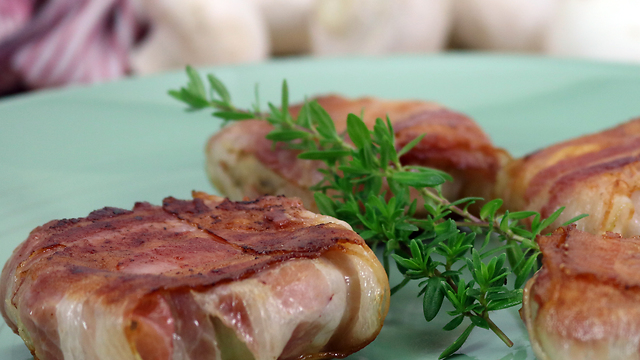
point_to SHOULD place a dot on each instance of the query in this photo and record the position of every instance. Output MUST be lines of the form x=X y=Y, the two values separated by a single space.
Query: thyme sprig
x=365 y=184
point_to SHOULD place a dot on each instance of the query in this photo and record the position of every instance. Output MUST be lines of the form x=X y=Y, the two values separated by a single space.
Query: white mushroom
x=200 y=32
x=379 y=26
x=511 y=25
x=288 y=24
x=599 y=29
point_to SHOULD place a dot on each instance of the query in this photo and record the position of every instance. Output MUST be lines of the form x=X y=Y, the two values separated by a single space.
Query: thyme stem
x=496 y=330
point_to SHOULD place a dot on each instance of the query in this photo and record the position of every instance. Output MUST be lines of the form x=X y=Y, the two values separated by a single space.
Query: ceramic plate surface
x=64 y=153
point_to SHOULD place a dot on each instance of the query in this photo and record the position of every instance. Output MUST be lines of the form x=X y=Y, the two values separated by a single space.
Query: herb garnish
x=365 y=185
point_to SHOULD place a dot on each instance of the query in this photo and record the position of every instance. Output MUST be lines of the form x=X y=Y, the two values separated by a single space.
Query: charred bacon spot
x=107 y=212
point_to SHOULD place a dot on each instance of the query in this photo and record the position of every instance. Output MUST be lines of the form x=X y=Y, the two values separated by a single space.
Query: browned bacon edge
x=257 y=228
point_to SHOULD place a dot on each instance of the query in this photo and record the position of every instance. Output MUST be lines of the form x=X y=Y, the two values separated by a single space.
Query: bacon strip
x=596 y=174
x=128 y=283
x=584 y=302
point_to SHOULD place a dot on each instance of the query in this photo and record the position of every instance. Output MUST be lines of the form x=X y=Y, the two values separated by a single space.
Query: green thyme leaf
x=323 y=122
x=256 y=102
x=525 y=271
x=467 y=200
x=433 y=298
x=405 y=149
x=195 y=85
x=358 y=131
x=458 y=343
x=303 y=116
x=548 y=221
x=233 y=115
x=327 y=155
x=287 y=135
x=454 y=323
x=405 y=263
x=505 y=295
x=418 y=180
x=489 y=209
x=479 y=322
x=515 y=255
x=575 y=219
x=504 y=304
x=416 y=253
x=189 y=98
x=407 y=227
x=325 y=204
x=285 y=99
x=218 y=87
x=519 y=215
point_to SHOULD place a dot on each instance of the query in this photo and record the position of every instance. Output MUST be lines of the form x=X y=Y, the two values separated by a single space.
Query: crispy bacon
x=198 y=279
x=242 y=162
x=596 y=174
x=584 y=302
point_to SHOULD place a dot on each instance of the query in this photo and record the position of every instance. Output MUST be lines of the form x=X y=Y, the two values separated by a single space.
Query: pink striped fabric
x=65 y=42
x=13 y=15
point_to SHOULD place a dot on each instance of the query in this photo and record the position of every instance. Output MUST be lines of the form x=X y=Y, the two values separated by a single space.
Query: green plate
x=67 y=152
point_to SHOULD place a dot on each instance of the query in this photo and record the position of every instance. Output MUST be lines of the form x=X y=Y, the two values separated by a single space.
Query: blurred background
x=51 y=43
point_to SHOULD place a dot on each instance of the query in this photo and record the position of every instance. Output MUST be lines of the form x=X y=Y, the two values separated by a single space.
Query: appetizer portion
x=241 y=162
x=585 y=301
x=595 y=174
x=206 y=278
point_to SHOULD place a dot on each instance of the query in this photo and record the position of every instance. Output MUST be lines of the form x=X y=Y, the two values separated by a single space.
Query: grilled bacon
x=206 y=278
x=596 y=174
x=585 y=301
x=241 y=162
